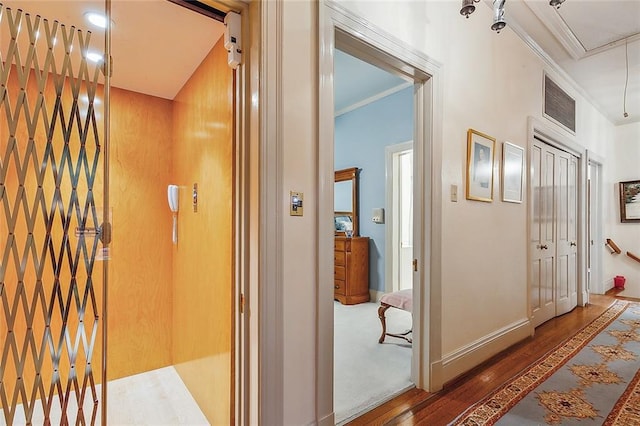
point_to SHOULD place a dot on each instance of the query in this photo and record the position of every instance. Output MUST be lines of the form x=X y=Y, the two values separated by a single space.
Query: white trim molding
x=360 y=38
x=465 y=358
x=373 y=98
x=270 y=296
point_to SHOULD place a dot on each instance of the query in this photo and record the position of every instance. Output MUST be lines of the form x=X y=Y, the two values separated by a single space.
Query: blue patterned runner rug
x=591 y=379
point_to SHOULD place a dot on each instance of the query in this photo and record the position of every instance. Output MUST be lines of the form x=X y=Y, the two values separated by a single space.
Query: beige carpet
x=367 y=373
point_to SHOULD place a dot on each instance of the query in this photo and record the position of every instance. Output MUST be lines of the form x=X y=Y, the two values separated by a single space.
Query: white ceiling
x=588 y=40
x=585 y=38
x=157 y=45
x=356 y=81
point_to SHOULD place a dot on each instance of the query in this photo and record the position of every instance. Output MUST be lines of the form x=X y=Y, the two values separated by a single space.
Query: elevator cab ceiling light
x=96 y=19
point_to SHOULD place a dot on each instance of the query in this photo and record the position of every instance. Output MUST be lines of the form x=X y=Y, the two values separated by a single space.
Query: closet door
x=554 y=230
x=542 y=234
x=567 y=233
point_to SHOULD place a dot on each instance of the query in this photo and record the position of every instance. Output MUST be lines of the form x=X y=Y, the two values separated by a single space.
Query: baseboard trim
x=375 y=295
x=328 y=420
x=464 y=359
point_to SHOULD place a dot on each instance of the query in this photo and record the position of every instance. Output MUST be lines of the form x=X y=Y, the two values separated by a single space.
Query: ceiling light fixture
x=555 y=3
x=468 y=8
x=499 y=22
x=498 y=15
x=97 y=19
x=94 y=57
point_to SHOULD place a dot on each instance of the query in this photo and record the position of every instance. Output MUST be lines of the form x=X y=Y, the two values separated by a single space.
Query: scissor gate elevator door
x=51 y=214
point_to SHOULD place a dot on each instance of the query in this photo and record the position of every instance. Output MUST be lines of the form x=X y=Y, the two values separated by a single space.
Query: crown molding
x=556 y=69
x=373 y=98
x=554 y=22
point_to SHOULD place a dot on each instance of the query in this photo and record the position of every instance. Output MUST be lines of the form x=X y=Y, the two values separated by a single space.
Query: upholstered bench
x=403 y=300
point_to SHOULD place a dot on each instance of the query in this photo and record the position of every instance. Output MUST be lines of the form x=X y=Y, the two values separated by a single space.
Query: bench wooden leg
x=381 y=310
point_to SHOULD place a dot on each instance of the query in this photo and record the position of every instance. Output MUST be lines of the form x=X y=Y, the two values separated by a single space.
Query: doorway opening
x=594 y=190
x=367 y=100
x=170 y=355
x=399 y=187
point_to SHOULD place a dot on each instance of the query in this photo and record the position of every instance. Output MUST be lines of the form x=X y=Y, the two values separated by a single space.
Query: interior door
x=542 y=243
x=406 y=220
x=52 y=203
x=594 y=278
x=554 y=232
x=567 y=233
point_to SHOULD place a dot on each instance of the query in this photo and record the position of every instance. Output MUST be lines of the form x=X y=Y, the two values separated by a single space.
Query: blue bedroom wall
x=360 y=140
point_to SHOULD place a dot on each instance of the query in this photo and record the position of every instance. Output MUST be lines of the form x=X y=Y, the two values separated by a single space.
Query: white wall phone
x=172 y=197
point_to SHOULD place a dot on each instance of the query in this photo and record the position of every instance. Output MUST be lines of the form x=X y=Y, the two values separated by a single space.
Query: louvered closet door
x=554 y=230
x=51 y=206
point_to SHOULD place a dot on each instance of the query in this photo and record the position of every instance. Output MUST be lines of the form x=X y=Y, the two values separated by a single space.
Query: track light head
x=468 y=8
x=498 y=16
x=555 y=3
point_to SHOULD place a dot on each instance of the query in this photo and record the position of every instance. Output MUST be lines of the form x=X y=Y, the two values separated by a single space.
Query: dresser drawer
x=339 y=273
x=339 y=287
x=338 y=258
x=339 y=245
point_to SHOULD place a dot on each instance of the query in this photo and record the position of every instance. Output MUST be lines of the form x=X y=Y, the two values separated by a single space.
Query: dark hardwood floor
x=417 y=407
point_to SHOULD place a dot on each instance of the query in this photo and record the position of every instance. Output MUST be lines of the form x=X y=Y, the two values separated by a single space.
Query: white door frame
x=354 y=35
x=596 y=240
x=390 y=248
x=545 y=132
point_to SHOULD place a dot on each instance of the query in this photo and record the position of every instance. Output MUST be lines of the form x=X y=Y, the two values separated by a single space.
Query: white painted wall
x=492 y=83
x=300 y=238
x=624 y=165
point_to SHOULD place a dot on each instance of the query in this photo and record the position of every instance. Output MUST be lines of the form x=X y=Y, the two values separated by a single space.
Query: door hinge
x=241 y=303
x=415 y=265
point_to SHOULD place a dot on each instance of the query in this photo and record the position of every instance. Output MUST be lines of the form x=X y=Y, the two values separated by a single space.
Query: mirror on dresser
x=345 y=203
x=351 y=251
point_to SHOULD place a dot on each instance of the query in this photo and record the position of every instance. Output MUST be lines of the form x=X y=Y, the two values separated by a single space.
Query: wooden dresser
x=351 y=270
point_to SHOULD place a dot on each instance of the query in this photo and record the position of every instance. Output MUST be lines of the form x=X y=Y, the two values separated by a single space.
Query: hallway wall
x=622 y=166
x=491 y=83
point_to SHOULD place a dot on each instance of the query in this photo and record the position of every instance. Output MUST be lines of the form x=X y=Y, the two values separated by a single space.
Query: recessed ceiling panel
x=590 y=21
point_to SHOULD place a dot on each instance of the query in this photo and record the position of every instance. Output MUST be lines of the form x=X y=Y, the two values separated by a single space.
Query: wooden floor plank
x=422 y=408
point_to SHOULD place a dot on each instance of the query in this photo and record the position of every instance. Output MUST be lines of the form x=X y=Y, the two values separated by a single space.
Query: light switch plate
x=454 y=193
x=295 y=203
x=377 y=215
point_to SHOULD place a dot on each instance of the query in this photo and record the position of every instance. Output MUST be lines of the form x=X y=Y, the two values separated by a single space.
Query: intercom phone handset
x=172 y=198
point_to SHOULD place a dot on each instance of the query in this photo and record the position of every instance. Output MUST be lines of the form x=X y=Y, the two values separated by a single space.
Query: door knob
x=542 y=246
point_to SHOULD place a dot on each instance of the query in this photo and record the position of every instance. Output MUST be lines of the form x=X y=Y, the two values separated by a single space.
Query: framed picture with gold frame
x=480 y=162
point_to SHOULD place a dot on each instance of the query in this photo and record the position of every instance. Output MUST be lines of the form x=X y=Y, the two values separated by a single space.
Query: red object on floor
x=618 y=281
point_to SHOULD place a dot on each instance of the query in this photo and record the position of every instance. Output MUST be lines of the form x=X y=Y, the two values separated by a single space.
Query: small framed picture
x=512 y=171
x=480 y=157
x=630 y=201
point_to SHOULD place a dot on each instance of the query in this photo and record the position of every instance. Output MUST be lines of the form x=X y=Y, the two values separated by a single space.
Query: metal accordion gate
x=53 y=240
